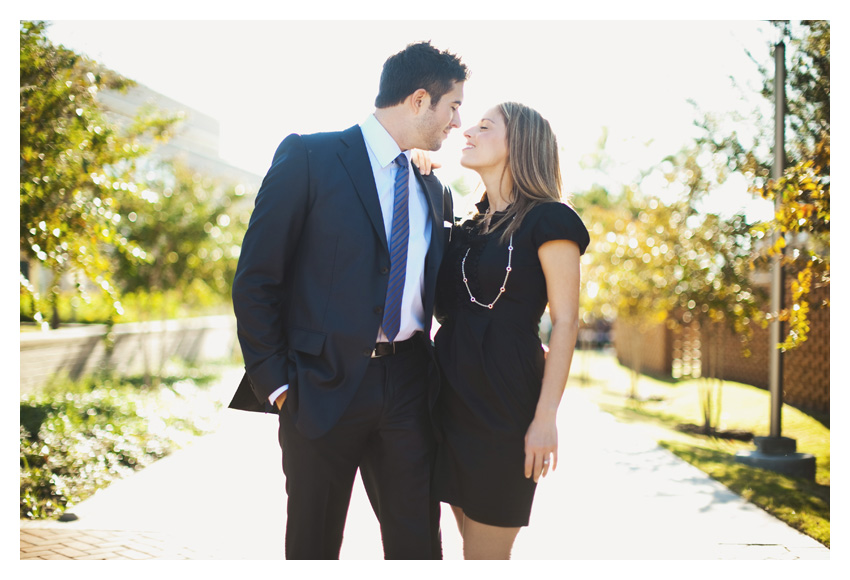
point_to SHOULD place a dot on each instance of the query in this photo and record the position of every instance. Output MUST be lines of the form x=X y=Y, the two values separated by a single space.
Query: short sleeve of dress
x=557 y=221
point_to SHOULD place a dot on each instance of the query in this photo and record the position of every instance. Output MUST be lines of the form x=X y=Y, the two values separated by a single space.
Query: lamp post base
x=779 y=454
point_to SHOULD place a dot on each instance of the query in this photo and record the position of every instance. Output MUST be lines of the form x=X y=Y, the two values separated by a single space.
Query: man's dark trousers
x=385 y=433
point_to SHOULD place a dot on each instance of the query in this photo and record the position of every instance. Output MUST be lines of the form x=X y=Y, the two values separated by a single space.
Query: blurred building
x=196 y=140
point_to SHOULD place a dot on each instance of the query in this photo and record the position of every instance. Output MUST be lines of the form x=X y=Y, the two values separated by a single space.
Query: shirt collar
x=380 y=142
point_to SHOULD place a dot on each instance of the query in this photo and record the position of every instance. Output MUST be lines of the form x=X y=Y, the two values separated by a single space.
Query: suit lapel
x=355 y=159
x=434 y=194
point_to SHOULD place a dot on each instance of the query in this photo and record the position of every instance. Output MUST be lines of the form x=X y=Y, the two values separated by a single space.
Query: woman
x=499 y=400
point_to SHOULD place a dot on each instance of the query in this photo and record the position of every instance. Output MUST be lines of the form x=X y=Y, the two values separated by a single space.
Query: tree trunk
x=719 y=381
x=53 y=299
x=636 y=361
x=584 y=344
x=705 y=386
x=711 y=383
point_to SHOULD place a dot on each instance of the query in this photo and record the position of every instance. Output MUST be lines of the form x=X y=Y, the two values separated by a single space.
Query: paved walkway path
x=616 y=495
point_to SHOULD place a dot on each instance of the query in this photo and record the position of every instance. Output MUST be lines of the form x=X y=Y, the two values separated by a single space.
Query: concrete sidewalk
x=616 y=495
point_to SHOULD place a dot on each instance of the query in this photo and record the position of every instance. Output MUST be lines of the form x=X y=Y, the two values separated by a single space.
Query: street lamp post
x=777 y=282
x=776 y=452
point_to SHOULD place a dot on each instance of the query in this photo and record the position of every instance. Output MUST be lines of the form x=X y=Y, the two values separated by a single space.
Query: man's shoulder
x=332 y=137
x=431 y=179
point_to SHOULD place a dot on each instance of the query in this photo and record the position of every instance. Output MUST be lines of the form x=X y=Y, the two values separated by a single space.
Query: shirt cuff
x=273 y=397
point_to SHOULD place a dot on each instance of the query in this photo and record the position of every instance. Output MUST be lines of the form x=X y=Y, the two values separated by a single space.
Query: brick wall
x=652 y=344
x=752 y=370
x=805 y=368
x=79 y=350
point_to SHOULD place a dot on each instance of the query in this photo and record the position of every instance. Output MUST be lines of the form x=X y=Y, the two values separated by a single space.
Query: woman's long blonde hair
x=533 y=162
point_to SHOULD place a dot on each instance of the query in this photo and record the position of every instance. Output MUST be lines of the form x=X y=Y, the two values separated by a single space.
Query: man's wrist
x=277 y=393
x=281 y=399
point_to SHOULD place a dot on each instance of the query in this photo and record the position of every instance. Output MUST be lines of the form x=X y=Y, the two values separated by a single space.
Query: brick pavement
x=53 y=544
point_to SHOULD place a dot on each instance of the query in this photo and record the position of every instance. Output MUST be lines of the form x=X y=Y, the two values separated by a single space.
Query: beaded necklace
x=504 y=283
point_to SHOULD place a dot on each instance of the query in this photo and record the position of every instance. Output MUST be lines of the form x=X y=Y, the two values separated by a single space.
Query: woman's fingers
x=422 y=160
x=541 y=451
x=538 y=463
x=545 y=460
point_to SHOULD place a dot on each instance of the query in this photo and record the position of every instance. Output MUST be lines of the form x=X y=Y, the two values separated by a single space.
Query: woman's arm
x=560 y=260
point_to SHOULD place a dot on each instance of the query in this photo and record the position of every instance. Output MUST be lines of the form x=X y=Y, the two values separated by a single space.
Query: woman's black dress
x=492 y=363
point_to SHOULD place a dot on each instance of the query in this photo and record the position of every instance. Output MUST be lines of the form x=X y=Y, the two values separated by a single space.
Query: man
x=333 y=298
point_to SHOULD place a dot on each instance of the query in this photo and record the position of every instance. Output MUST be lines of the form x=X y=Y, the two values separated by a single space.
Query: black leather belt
x=388 y=348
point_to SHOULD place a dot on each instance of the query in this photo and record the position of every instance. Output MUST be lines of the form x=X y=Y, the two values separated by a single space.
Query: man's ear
x=419 y=100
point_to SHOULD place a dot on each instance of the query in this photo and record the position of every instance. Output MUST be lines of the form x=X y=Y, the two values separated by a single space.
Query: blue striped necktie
x=398 y=251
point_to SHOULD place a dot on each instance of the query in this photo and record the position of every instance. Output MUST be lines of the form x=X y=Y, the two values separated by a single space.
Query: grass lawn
x=664 y=405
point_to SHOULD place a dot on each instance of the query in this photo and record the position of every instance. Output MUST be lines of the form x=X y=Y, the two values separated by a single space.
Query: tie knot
x=401 y=160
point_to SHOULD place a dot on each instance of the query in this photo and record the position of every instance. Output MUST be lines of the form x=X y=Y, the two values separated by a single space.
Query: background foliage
x=653 y=260
x=802 y=219
x=76 y=167
x=99 y=211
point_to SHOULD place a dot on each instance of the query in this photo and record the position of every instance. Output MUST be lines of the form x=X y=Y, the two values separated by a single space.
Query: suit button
x=378 y=309
x=367 y=352
x=385 y=270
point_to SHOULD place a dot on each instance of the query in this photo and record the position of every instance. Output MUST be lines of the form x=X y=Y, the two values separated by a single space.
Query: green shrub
x=77 y=437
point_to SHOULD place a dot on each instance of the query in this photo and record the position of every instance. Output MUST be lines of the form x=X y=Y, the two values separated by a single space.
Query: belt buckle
x=375 y=350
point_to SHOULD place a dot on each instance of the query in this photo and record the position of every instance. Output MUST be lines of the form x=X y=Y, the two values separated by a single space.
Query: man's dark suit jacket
x=312 y=277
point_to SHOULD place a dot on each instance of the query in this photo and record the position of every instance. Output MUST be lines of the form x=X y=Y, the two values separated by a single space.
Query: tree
x=190 y=226
x=76 y=169
x=715 y=292
x=653 y=262
x=803 y=216
x=629 y=266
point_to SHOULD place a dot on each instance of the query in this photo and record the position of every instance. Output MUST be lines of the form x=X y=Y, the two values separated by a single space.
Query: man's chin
x=432 y=146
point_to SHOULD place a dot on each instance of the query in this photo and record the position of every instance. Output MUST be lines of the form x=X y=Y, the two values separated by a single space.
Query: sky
x=263 y=79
